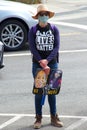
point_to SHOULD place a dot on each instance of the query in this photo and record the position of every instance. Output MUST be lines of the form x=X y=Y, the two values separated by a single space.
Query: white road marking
x=73 y=16
x=76 y=124
x=19 y=116
x=80 y=26
x=12 y=120
x=74 y=51
x=70 y=34
x=17 y=54
x=29 y=54
x=32 y=115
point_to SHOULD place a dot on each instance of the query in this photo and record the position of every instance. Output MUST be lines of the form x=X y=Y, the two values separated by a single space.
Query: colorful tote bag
x=50 y=84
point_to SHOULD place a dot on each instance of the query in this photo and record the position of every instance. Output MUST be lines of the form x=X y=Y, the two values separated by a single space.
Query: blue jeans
x=38 y=98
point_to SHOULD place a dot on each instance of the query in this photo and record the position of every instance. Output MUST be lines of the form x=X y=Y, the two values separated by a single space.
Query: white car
x=1 y=54
x=15 y=22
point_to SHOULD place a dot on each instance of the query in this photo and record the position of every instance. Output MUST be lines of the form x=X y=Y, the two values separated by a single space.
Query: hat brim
x=51 y=14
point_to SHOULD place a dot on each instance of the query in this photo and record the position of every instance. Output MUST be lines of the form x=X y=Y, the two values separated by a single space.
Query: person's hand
x=43 y=63
x=47 y=70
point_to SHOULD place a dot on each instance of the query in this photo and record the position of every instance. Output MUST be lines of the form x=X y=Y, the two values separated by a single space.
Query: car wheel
x=13 y=34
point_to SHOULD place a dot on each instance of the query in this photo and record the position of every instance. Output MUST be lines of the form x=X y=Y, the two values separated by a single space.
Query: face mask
x=43 y=19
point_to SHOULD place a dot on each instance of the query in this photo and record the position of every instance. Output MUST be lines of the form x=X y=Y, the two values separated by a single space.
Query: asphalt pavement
x=63 y=5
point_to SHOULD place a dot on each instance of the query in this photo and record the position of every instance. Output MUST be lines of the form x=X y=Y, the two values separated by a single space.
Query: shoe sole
x=37 y=127
x=60 y=125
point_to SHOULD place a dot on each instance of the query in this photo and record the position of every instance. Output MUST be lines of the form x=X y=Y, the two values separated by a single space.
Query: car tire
x=13 y=34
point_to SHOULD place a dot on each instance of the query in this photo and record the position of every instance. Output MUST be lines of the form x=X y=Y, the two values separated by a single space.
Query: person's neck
x=42 y=24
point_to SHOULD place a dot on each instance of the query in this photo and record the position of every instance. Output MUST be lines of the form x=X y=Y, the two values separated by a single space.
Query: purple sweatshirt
x=44 y=43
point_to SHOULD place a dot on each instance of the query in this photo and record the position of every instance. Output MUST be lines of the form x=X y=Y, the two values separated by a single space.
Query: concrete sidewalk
x=64 y=5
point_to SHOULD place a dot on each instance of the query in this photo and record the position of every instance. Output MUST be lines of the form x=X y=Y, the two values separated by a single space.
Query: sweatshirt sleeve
x=31 y=39
x=56 y=45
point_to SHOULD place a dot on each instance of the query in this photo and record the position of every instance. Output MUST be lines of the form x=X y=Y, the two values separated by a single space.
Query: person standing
x=44 y=42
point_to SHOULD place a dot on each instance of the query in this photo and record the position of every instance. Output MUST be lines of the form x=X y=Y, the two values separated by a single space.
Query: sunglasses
x=43 y=13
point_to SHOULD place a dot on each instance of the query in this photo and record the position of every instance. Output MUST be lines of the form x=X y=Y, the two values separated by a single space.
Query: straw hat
x=42 y=8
